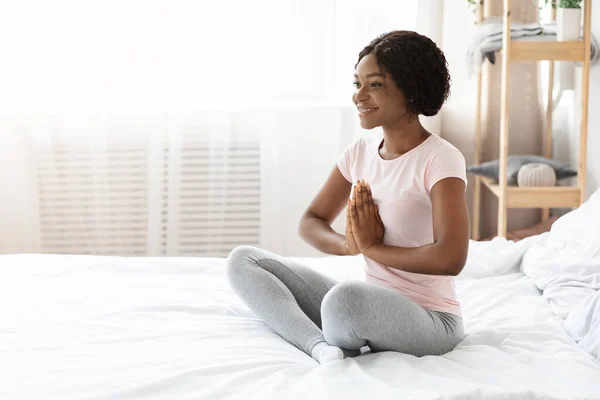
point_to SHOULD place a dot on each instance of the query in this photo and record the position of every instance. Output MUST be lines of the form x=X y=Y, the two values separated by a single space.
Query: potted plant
x=568 y=20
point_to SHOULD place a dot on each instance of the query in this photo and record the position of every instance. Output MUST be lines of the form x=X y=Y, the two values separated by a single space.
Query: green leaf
x=569 y=4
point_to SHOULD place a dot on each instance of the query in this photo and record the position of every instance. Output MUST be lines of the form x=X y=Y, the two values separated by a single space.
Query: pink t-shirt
x=401 y=188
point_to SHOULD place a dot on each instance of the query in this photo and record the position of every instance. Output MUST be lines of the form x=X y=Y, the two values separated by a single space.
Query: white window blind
x=218 y=202
x=100 y=202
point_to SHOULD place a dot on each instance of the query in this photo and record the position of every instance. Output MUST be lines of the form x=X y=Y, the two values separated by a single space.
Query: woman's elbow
x=453 y=262
x=304 y=225
x=455 y=269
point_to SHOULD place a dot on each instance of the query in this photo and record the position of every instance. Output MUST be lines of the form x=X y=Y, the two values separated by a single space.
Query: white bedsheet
x=75 y=327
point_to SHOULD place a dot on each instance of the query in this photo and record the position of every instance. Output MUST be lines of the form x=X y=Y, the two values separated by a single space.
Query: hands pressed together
x=363 y=223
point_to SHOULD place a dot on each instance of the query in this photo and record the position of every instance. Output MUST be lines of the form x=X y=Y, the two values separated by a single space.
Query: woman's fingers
x=362 y=203
x=359 y=201
x=357 y=204
x=365 y=198
x=370 y=202
x=348 y=218
x=354 y=196
x=369 y=193
x=353 y=214
x=377 y=214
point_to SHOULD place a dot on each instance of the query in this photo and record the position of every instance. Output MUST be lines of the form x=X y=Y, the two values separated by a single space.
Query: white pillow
x=566 y=264
x=498 y=256
x=580 y=227
x=583 y=324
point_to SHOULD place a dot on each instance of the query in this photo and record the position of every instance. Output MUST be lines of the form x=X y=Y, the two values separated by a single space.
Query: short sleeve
x=346 y=160
x=448 y=163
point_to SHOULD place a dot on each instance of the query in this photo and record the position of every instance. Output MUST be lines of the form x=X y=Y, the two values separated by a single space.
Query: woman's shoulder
x=439 y=150
x=444 y=160
x=439 y=144
x=354 y=154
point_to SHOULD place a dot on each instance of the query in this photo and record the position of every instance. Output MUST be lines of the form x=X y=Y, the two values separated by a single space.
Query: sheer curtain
x=174 y=127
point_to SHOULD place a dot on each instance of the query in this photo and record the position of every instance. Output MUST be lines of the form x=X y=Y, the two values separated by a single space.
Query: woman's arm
x=448 y=253
x=315 y=224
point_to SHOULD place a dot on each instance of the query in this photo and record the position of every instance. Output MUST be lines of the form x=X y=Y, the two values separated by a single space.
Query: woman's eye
x=356 y=84
x=376 y=84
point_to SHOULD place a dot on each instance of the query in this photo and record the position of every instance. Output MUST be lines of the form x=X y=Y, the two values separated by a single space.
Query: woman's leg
x=287 y=296
x=357 y=314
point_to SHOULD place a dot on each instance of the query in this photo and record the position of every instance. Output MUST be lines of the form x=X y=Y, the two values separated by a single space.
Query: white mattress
x=76 y=327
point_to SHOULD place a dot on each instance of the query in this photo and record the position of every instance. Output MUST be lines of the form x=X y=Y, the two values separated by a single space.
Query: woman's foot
x=324 y=353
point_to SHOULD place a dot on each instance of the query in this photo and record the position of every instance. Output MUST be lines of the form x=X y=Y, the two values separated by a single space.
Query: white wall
x=458 y=116
x=567 y=140
x=306 y=150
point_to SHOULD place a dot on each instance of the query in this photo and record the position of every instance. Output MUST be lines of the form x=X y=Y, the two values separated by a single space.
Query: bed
x=89 y=327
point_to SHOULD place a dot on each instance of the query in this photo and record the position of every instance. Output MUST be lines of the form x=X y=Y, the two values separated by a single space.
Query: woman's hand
x=351 y=246
x=367 y=227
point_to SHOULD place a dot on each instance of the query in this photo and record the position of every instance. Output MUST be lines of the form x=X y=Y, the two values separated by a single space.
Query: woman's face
x=379 y=100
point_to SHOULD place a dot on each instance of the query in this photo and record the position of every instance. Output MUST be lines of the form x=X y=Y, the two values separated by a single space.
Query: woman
x=404 y=194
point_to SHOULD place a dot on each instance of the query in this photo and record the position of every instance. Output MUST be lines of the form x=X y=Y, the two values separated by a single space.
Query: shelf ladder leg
x=476 y=223
x=549 y=111
x=585 y=89
x=506 y=45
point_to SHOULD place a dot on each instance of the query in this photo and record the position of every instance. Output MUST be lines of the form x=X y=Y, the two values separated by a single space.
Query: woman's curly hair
x=418 y=67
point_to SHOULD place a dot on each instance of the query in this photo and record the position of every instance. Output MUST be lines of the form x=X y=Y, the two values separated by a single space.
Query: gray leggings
x=306 y=307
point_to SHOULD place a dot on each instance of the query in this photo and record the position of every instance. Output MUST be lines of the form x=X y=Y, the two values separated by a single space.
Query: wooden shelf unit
x=533 y=197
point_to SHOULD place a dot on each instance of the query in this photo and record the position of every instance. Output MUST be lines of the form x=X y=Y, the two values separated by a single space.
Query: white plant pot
x=568 y=24
x=568 y=28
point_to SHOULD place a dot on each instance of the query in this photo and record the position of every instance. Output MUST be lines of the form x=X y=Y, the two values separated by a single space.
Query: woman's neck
x=402 y=138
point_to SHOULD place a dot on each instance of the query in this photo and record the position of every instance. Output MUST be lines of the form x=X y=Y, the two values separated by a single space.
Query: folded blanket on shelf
x=488 y=40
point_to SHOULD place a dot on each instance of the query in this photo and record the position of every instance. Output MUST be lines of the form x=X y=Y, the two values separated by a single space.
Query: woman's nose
x=361 y=94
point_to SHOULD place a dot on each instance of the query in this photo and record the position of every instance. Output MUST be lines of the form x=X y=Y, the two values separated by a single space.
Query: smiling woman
x=407 y=216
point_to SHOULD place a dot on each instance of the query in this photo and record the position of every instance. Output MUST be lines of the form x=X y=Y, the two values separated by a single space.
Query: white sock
x=324 y=353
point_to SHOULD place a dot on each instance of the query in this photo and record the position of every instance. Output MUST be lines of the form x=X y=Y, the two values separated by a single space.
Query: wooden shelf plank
x=494 y=188
x=523 y=50
x=543 y=197
x=537 y=197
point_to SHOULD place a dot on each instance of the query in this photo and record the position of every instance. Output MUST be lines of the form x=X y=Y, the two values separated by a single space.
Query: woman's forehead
x=368 y=67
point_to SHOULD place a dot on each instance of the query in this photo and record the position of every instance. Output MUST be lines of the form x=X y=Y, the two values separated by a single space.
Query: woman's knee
x=342 y=310
x=240 y=259
x=343 y=299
